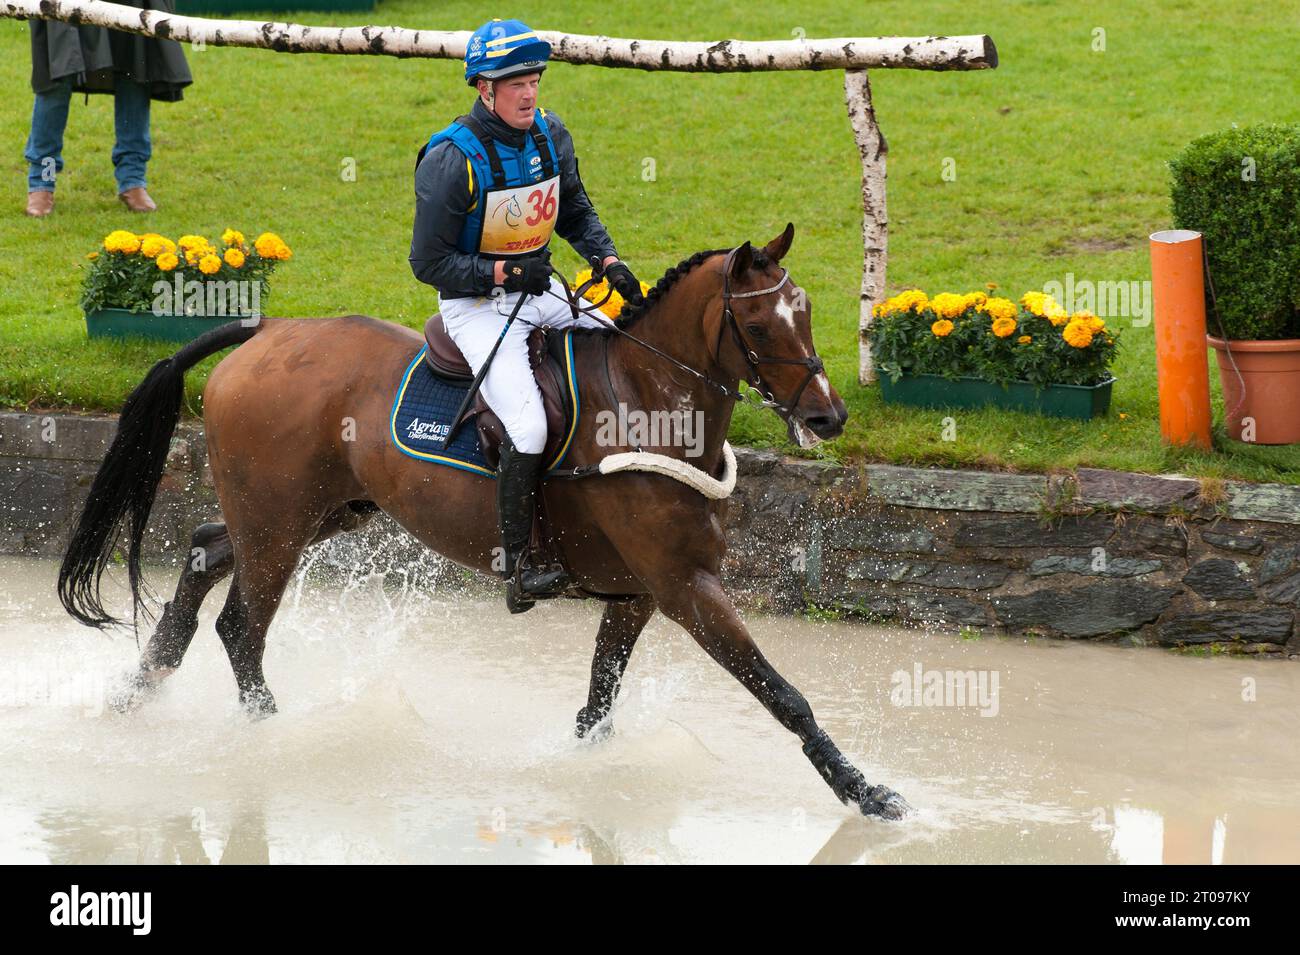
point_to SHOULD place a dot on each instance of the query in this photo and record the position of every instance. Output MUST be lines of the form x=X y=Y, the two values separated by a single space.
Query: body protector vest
x=516 y=192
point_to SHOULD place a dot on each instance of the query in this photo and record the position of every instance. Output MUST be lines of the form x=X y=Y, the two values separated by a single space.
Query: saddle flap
x=555 y=402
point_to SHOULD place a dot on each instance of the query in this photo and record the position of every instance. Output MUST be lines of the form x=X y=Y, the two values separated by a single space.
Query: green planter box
x=196 y=8
x=120 y=323
x=1059 y=401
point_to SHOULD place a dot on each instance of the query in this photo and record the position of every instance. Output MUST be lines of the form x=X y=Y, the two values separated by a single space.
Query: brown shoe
x=137 y=200
x=40 y=203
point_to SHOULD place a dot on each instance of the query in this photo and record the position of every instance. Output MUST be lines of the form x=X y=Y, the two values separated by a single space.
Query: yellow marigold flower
x=1092 y=321
x=1123 y=414
x=942 y=327
x=1077 y=334
x=996 y=308
x=906 y=301
x=119 y=240
x=975 y=299
x=271 y=246
x=948 y=305
x=93 y=255
x=152 y=245
x=188 y=242
x=1002 y=327
x=1056 y=314
x=1043 y=305
x=209 y=264
x=234 y=257
x=232 y=237
x=167 y=261
x=1025 y=339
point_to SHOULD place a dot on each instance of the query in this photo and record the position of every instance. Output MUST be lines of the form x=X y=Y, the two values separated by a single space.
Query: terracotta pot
x=1271 y=372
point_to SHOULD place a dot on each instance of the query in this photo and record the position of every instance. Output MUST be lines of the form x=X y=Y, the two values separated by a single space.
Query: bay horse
x=297 y=427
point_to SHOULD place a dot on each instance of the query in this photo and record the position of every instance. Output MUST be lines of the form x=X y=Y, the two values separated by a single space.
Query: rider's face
x=516 y=97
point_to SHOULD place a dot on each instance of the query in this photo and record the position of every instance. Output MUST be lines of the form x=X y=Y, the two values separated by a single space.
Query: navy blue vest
x=520 y=220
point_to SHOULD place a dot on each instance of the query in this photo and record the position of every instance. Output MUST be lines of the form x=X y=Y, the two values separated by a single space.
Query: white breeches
x=509 y=388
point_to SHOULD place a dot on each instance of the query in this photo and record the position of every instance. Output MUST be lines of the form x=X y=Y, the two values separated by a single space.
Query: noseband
x=752 y=358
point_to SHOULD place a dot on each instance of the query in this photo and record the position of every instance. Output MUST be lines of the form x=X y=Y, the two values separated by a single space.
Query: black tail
x=123 y=491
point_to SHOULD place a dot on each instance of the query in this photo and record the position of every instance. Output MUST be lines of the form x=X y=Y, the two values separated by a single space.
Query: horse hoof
x=593 y=729
x=134 y=690
x=258 y=703
x=884 y=802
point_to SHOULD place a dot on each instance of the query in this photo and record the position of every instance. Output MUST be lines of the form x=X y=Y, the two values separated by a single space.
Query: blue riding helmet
x=502 y=48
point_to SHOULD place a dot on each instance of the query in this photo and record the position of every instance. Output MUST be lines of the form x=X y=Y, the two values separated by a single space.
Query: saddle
x=545 y=357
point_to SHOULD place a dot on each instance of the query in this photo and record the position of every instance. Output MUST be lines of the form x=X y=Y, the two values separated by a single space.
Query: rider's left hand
x=624 y=282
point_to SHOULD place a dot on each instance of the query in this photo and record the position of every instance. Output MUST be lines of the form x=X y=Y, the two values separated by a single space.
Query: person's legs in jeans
x=44 y=151
x=133 y=147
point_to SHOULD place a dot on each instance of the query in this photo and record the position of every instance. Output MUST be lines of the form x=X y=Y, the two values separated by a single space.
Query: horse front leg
x=620 y=626
x=703 y=608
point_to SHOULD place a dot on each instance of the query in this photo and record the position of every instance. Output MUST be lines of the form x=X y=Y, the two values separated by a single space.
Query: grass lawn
x=1059 y=157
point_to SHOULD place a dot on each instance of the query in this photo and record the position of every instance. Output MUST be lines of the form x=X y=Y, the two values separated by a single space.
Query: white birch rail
x=854 y=55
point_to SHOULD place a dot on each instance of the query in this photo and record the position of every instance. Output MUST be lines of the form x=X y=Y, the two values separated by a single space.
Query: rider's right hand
x=531 y=275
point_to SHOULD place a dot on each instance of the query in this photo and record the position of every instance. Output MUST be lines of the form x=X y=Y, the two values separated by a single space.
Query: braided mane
x=631 y=313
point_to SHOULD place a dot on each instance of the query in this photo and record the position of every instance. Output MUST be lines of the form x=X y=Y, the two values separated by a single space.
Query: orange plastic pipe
x=1182 y=363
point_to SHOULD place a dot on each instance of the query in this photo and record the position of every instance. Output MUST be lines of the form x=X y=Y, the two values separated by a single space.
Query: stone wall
x=1086 y=554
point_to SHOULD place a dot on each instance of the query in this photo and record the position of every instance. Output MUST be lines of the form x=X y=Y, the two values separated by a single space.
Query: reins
x=752 y=358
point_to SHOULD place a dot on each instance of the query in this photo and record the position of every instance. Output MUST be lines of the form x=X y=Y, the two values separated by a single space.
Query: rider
x=490 y=189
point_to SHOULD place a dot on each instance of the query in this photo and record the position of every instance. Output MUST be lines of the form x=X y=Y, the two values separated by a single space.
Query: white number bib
x=519 y=219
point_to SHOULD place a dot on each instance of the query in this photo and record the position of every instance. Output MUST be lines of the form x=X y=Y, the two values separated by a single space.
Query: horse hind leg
x=620 y=626
x=266 y=558
x=210 y=560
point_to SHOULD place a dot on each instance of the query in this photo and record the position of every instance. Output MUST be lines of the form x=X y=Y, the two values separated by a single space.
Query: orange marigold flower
x=1077 y=333
x=1003 y=327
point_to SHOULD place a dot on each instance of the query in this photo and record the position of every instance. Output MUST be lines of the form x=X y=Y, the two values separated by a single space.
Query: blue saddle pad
x=425 y=405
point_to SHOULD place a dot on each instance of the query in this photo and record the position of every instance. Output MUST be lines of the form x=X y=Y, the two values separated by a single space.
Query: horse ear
x=778 y=247
x=742 y=260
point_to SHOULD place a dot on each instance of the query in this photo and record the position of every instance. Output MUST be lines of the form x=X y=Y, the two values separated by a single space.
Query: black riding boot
x=516 y=490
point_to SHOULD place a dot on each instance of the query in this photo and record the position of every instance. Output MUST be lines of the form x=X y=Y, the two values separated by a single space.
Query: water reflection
x=432 y=727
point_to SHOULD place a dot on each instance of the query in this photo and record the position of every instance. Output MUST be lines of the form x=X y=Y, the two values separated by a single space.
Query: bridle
x=751 y=356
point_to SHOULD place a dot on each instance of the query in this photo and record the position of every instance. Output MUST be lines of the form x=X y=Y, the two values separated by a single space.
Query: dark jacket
x=442 y=200
x=92 y=55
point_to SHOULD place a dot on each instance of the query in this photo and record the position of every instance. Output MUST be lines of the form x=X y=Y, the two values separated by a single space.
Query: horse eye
x=758 y=331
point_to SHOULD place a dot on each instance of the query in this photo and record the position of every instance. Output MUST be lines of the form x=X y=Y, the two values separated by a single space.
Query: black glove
x=624 y=282
x=531 y=275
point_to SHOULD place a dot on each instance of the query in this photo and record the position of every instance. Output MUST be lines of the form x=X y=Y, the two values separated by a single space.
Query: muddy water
x=426 y=726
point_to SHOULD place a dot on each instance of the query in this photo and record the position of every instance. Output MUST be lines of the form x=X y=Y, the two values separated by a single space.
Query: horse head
x=764 y=337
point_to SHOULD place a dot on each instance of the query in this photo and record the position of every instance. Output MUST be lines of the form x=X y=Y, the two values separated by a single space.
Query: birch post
x=875 y=218
x=854 y=55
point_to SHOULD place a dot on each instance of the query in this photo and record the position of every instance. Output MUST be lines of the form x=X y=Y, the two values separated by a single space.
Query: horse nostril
x=825 y=426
